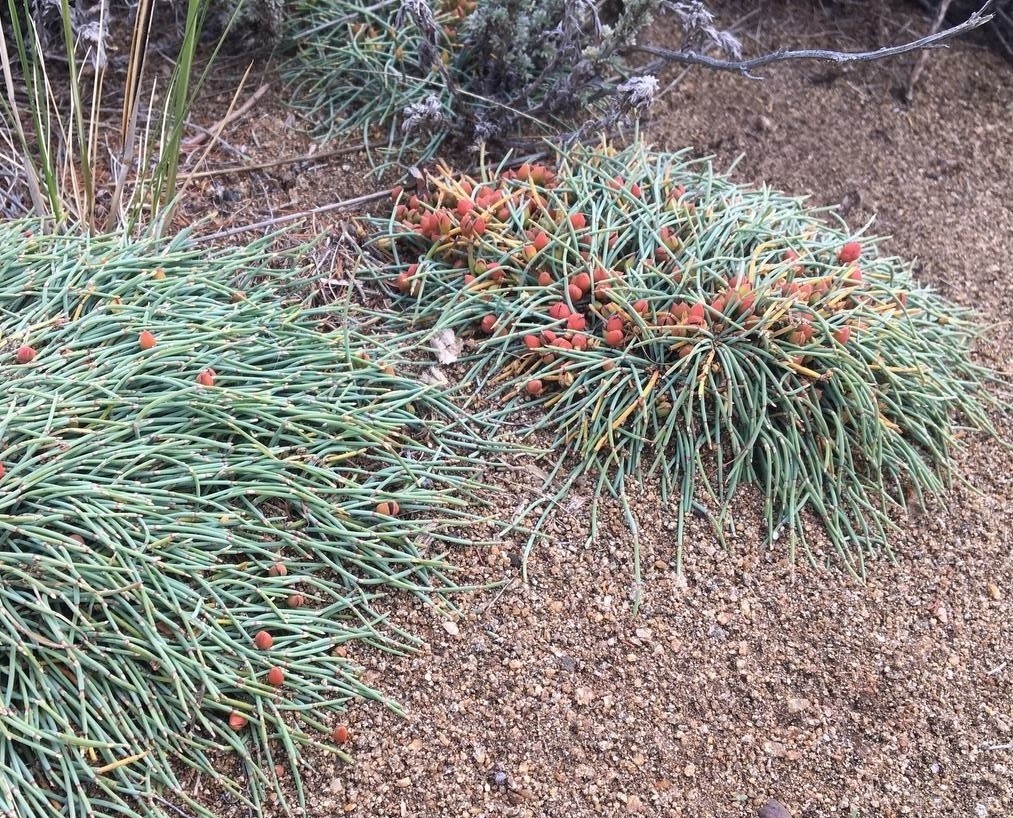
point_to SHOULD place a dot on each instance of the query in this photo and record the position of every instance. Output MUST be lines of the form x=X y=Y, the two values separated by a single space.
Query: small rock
x=689 y=770
x=764 y=123
x=451 y=628
x=634 y=804
x=404 y=783
x=940 y=613
x=796 y=705
x=773 y=809
x=993 y=591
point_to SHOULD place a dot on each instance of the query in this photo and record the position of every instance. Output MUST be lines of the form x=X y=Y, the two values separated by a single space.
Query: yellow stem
x=619 y=421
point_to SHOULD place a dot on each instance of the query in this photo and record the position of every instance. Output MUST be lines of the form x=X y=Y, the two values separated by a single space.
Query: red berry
x=533 y=387
x=576 y=321
x=544 y=278
x=849 y=252
x=295 y=600
x=206 y=377
x=583 y=282
x=25 y=354
x=263 y=640
x=843 y=334
x=559 y=310
x=488 y=323
x=339 y=735
x=575 y=292
x=640 y=306
x=540 y=241
x=389 y=508
x=403 y=283
x=237 y=721
x=578 y=221
x=614 y=337
x=146 y=340
x=275 y=676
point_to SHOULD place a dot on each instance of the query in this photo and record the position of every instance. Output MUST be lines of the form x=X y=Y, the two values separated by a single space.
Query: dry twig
x=933 y=40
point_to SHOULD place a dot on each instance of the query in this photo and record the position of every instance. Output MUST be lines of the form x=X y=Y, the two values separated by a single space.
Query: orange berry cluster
x=507 y=239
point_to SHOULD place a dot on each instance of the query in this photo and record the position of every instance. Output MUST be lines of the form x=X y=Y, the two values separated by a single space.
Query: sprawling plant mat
x=667 y=320
x=202 y=492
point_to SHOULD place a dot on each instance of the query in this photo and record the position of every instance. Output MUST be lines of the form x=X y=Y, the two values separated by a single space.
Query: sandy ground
x=746 y=677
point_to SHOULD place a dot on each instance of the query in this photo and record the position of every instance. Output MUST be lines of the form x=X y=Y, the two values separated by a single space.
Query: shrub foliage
x=666 y=320
x=409 y=74
x=185 y=462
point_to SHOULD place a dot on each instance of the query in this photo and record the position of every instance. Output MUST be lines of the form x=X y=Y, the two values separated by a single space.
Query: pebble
x=773 y=809
x=940 y=613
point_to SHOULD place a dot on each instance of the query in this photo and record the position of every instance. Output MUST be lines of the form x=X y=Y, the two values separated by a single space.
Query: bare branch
x=976 y=20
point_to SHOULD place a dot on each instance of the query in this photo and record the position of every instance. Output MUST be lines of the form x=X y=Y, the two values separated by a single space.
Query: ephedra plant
x=203 y=490
x=660 y=319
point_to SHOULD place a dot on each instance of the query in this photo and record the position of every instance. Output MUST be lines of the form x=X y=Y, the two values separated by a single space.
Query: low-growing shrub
x=409 y=74
x=666 y=320
x=202 y=493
